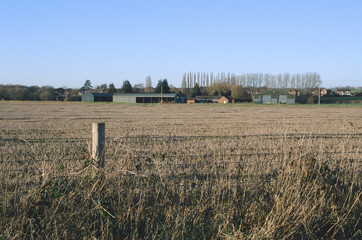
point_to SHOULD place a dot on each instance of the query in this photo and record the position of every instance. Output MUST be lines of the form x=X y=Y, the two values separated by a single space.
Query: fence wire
x=183 y=159
x=185 y=138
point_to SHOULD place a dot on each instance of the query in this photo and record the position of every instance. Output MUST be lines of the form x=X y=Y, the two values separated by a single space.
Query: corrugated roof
x=145 y=94
x=207 y=97
x=100 y=94
x=274 y=95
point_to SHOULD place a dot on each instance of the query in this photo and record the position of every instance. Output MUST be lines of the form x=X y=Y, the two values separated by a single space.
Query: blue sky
x=63 y=43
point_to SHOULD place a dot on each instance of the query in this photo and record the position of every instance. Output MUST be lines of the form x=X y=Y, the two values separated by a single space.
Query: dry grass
x=181 y=172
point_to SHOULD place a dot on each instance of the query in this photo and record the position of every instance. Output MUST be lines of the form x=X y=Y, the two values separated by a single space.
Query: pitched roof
x=100 y=94
x=207 y=97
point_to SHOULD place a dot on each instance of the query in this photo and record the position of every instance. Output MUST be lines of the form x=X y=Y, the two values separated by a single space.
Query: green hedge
x=341 y=99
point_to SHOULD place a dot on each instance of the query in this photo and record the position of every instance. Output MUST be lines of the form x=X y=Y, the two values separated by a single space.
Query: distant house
x=323 y=92
x=97 y=97
x=343 y=91
x=225 y=100
x=294 y=92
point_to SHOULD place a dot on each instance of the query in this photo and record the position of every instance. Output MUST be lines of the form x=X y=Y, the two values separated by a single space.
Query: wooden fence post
x=98 y=140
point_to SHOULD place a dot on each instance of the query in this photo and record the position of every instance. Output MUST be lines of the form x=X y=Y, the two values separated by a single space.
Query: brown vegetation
x=180 y=172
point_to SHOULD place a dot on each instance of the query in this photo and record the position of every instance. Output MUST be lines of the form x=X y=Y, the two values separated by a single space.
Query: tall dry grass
x=181 y=172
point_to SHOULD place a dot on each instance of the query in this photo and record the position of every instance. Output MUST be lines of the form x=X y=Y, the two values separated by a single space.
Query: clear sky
x=64 y=42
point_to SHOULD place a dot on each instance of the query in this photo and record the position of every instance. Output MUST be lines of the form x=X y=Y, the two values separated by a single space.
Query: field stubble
x=181 y=172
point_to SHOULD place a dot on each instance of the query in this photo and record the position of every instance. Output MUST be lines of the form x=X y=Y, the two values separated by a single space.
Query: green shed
x=274 y=97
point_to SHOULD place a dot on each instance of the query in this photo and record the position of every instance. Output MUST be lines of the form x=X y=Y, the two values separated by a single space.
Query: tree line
x=252 y=80
x=242 y=86
x=49 y=93
x=162 y=86
x=36 y=93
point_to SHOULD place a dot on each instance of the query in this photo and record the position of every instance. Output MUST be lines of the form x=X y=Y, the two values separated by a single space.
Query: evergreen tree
x=112 y=89
x=196 y=91
x=166 y=88
x=126 y=87
x=87 y=86
x=164 y=85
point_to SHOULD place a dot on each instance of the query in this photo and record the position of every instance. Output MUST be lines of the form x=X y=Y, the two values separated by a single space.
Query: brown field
x=181 y=172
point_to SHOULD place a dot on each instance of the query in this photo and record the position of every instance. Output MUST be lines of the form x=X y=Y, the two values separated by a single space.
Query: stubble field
x=181 y=171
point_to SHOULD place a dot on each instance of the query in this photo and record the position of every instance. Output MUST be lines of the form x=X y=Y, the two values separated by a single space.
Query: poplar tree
x=148 y=84
x=183 y=84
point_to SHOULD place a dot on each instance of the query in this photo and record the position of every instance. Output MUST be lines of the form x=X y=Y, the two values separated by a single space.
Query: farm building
x=149 y=98
x=322 y=92
x=274 y=98
x=213 y=99
x=97 y=97
x=206 y=99
x=343 y=91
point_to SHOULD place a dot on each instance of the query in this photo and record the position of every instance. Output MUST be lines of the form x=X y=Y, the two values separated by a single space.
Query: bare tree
x=267 y=80
x=273 y=80
x=286 y=80
x=280 y=80
x=312 y=80
x=139 y=88
x=189 y=83
x=292 y=81
x=243 y=80
x=194 y=80
x=233 y=79
x=204 y=79
x=223 y=77
x=148 y=84
x=183 y=83
x=260 y=79
x=102 y=88
x=253 y=80
x=304 y=80
x=299 y=80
